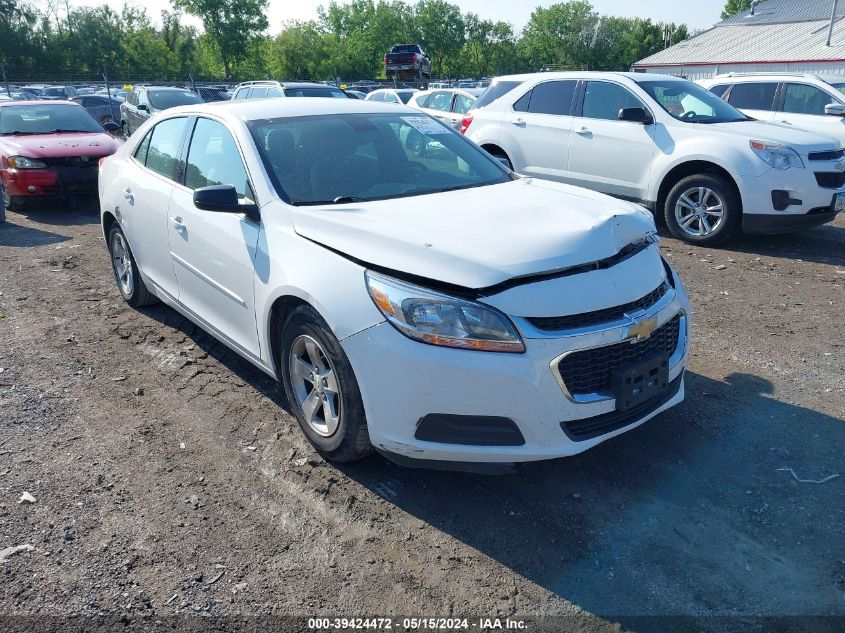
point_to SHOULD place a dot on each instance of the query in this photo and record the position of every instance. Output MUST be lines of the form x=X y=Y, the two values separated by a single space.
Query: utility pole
x=108 y=87
x=832 y=20
x=5 y=81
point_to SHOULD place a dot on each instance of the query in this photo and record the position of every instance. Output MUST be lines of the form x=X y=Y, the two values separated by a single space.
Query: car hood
x=802 y=141
x=480 y=237
x=60 y=145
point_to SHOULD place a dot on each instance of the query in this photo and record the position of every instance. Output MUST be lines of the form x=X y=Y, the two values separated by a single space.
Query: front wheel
x=703 y=209
x=321 y=388
x=124 y=129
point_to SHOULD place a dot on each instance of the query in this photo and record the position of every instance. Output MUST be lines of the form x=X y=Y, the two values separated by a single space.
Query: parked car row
x=666 y=143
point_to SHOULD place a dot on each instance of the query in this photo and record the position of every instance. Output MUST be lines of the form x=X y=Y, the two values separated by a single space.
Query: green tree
x=732 y=7
x=440 y=29
x=232 y=26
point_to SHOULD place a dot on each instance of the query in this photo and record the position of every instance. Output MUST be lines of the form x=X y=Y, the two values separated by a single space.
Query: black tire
x=135 y=294
x=722 y=191
x=350 y=440
x=124 y=129
x=4 y=202
x=502 y=158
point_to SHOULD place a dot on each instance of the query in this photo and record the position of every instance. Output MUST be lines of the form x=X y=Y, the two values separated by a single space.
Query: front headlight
x=22 y=162
x=778 y=156
x=438 y=319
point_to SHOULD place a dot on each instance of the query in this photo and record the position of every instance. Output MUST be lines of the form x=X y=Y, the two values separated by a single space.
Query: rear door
x=607 y=154
x=536 y=130
x=756 y=99
x=147 y=185
x=213 y=253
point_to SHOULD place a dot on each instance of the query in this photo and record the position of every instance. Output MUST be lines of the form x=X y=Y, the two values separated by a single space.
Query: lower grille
x=580 y=430
x=597 y=317
x=91 y=162
x=830 y=179
x=830 y=155
x=588 y=371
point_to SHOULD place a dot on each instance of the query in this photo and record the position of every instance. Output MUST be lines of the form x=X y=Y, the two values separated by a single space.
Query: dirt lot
x=170 y=479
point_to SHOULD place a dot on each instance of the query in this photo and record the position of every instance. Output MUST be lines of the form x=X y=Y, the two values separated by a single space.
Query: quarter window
x=213 y=159
x=164 y=146
x=603 y=100
x=720 y=90
x=805 y=99
x=143 y=148
x=553 y=97
x=753 y=96
x=274 y=92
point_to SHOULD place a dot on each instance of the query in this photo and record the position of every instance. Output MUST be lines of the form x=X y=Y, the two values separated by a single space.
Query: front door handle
x=178 y=225
x=584 y=132
x=127 y=193
x=518 y=122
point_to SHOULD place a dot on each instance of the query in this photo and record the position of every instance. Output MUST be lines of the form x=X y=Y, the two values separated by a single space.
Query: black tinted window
x=213 y=158
x=604 y=100
x=552 y=97
x=163 y=154
x=753 y=96
x=805 y=99
x=521 y=104
x=719 y=91
x=494 y=91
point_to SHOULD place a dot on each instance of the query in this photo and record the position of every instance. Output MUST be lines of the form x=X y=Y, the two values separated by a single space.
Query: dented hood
x=480 y=237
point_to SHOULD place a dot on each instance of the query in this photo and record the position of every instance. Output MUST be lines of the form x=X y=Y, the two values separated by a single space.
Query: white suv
x=667 y=144
x=808 y=102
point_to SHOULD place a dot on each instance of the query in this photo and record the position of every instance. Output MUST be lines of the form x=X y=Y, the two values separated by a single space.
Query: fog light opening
x=31 y=188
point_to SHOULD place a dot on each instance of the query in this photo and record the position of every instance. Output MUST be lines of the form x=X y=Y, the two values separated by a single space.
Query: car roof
x=254 y=109
x=587 y=74
x=31 y=102
x=176 y=88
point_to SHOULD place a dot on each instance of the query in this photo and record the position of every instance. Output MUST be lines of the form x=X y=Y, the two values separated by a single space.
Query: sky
x=697 y=15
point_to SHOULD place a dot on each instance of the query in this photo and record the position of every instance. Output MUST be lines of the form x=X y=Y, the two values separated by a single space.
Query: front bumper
x=404 y=381
x=809 y=203
x=51 y=181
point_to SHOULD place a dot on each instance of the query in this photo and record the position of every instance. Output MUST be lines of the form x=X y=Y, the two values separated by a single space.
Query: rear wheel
x=321 y=388
x=703 y=209
x=126 y=274
x=124 y=129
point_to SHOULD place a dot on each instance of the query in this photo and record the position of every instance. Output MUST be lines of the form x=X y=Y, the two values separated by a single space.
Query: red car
x=49 y=148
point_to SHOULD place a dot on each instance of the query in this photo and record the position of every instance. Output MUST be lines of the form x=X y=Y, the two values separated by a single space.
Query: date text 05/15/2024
x=416 y=624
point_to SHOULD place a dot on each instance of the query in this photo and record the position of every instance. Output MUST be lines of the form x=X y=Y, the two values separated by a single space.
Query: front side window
x=805 y=99
x=132 y=98
x=440 y=101
x=165 y=143
x=753 y=96
x=241 y=93
x=339 y=158
x=213 y=159
x=604 y=100
x=554 y=97
x=690 y=103
x=720 y=90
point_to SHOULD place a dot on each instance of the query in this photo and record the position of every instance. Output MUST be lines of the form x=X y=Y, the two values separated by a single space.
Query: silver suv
x=268 y=89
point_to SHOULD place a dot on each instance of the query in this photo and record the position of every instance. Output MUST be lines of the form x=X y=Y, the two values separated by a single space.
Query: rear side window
x=604 y=100
x=257 y=93
x=422 y=100
x=440 y=101
x=753 y=96
x=274 y=92
x=805 y=99
x=163 y=153
x=143 y=148
x=495 y=91
x=553 y=97
x=213 y=159
x=719 y=91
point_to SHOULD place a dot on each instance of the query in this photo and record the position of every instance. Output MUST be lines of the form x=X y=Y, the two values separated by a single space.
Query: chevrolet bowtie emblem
x=641 y=330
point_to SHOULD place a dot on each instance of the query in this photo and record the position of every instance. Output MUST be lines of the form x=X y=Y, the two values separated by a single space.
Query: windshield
x=164 y=99
x=340 y=158
x=46 y=119
x=336 y=93
x=691 y=103
x=408 y=48
x=54 y=92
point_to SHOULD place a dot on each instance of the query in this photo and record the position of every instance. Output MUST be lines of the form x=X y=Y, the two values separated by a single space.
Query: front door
x=213 y=252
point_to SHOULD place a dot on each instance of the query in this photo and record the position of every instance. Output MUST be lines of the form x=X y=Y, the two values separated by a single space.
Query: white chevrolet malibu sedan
x=410 y=293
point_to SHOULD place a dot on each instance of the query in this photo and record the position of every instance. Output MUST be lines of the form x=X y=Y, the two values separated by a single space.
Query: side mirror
x=111 y=127
x=143 y=106
x=224 y=199
x=635 y=115
x=834 y=109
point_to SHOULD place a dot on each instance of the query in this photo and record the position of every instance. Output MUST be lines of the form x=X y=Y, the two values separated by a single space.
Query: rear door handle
x=518 y=122
x=584 y=132
x=178 y=225
x=127 y=193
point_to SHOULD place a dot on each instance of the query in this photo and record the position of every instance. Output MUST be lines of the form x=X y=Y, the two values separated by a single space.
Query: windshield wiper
x=345 y=199
x=19 y=133
x=61 y=131
x=338 y=200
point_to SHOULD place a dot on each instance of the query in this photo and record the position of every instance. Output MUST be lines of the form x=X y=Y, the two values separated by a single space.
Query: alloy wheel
x=315 y=385
x=699 y=211
x=122 y=264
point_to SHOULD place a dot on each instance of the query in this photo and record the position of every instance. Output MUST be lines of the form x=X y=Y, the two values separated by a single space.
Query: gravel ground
x=169 y=478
